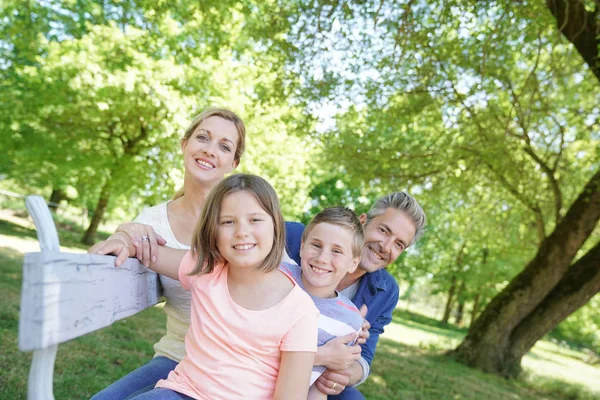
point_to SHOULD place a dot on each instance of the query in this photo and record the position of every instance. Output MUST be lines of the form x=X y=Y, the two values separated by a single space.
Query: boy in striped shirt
x=331 y=247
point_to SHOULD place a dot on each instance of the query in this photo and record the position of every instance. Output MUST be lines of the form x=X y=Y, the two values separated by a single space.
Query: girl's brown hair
x=204 y=241
x=225 y=114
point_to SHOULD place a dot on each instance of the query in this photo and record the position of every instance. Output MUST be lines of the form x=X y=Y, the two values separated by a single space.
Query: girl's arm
x=294 y=375
x=121 y=245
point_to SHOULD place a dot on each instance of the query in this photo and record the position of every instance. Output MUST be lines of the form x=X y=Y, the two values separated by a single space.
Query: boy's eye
x=316 y=245
x=338 y=251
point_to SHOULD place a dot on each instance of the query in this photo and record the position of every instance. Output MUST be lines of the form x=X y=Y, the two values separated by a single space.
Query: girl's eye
x=226 y=148
x=226 y=222
x=256 y=220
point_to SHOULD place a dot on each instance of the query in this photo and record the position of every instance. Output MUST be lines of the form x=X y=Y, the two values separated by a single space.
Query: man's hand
x=336 y=354
x=333 y=382
x=364 y=333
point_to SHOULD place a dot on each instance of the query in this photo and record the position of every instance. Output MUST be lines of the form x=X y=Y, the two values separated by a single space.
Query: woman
x=212 y=147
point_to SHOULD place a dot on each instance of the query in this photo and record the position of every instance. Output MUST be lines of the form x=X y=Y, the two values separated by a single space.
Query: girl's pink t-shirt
x=233 y=352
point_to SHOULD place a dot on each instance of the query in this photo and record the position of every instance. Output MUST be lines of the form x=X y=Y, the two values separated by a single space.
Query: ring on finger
x=145 y=239
x=333 y=386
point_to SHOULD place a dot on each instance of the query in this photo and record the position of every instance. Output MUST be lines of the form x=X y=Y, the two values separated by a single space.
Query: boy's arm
x=294 y=375
x=121 y=245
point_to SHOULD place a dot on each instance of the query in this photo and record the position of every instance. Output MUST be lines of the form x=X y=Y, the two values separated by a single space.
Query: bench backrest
x=65 y=296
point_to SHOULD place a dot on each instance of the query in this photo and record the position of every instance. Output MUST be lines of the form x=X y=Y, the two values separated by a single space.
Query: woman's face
x=209 y=152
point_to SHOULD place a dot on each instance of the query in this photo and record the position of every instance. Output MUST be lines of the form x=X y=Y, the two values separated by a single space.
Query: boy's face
x=326 y=258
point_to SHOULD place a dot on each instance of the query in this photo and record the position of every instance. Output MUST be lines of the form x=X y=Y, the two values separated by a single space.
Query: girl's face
x=245 y=231
x=209 y=152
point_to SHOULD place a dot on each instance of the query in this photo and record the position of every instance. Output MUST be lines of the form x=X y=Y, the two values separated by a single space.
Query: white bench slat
x=64 y=296
x=69 y=295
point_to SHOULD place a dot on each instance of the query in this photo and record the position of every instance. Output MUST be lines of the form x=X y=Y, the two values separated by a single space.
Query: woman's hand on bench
x=145 y=240
x=118 y=244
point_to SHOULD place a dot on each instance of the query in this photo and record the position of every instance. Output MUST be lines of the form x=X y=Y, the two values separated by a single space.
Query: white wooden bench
x=67 y=295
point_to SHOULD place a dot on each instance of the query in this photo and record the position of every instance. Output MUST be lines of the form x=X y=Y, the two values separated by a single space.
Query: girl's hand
x=145 y=241
x=337 y=354
x=117 y=245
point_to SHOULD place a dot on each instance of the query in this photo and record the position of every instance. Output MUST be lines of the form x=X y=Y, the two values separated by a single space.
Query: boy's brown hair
x=343 y=217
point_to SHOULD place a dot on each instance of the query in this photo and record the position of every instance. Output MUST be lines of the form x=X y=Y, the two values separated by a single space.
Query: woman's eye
x=202 y=137
x=226 y=148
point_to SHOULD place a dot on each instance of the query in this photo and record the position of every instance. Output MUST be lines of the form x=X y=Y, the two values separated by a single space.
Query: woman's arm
x=294 y=375
x=121 y=245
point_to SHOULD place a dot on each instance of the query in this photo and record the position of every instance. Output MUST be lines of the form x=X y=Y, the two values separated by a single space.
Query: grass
x=410 y=362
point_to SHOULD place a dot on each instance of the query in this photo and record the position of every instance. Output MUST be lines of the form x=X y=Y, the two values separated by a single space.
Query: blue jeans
x=162 y=394
x=350 y=393
x=138 y=381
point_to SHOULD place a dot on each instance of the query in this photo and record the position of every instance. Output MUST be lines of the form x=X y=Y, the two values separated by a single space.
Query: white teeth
x=375 y=254
x=204 y=164
x=319 y=270
x=243 y=247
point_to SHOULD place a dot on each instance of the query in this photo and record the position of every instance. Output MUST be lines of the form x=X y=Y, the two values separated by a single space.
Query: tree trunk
x=580 y=27
x=449 y=301
x=580 y=284
x=476 y=304
x=487 y=344
x=55 y=198
x=90 y=234
x=461 y=304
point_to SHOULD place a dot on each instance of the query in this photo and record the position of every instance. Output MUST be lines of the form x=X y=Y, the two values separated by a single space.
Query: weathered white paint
x=68 y=295
x=41 y=373
x=65 y=296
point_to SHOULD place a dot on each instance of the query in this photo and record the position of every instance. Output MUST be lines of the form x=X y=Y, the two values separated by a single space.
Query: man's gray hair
x=402 y=202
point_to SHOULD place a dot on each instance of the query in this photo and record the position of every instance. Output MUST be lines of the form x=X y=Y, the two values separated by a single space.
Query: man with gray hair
x=393 y=223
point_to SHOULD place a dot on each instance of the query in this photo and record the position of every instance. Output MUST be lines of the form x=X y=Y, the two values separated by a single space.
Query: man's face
x=386 y=237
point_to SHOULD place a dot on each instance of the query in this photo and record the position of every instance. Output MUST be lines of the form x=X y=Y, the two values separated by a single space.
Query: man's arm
x=381 y=307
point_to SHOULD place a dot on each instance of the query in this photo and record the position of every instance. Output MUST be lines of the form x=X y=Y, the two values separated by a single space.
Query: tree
x=489 y=92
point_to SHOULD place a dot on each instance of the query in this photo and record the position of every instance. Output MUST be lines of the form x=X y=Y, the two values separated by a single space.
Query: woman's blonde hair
x=225 y=114
x=204 y=241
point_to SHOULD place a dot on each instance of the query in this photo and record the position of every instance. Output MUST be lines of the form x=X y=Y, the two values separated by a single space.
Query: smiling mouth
x=204 y=164
x=319 y=271
x=376 y=255
x=244 y=246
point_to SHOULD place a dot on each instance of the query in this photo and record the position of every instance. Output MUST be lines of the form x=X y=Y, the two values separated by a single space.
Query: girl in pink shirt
x=253 y=331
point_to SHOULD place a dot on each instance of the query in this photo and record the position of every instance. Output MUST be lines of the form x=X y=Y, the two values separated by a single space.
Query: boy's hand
x=363 y=334
x=336 y=354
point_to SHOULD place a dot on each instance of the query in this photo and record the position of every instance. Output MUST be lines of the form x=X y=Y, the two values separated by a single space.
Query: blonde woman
x=212 y=146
